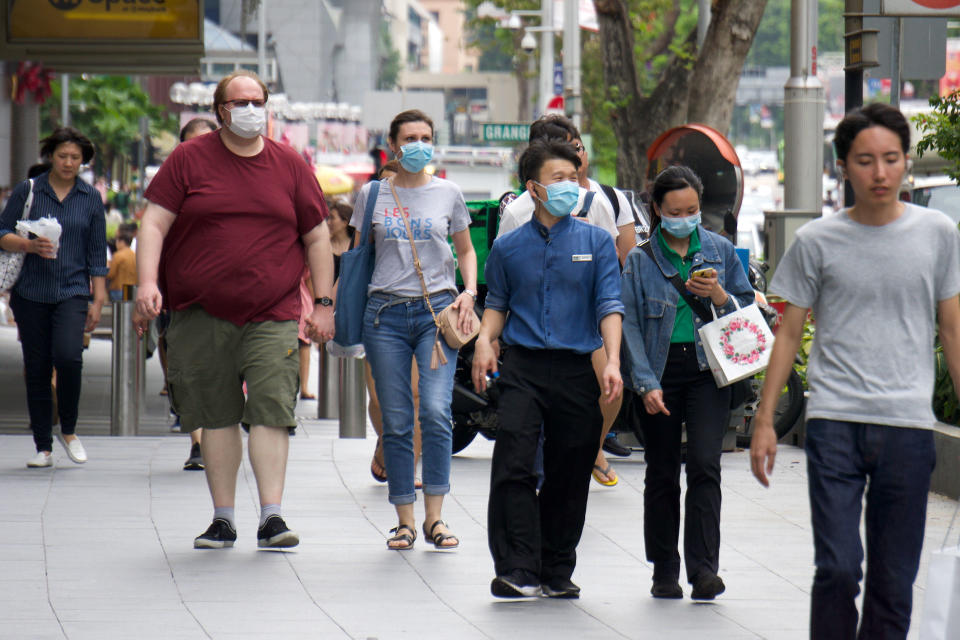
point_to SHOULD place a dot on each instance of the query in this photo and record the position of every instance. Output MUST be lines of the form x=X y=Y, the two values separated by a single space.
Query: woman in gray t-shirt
x=398 y=323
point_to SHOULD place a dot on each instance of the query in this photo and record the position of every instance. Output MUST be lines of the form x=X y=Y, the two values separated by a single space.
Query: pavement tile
x=104 y=550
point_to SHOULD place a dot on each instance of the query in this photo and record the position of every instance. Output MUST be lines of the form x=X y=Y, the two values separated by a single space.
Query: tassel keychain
x=437 y=356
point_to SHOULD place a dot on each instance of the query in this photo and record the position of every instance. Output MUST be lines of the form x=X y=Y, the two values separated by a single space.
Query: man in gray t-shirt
x=878 y=277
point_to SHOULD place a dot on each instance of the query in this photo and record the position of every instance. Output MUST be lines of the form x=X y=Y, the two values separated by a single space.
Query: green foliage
x=945 y=404
x=942 y=129
x=390 y=63
x=771 y=46
x=107 y=109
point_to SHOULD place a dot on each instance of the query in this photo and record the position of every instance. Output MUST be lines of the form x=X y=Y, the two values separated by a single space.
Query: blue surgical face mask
x=562 y=197
x=680 y=227
x=415 y=156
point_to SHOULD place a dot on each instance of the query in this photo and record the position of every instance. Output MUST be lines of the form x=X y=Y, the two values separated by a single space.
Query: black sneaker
x=219 y=534
x=707 y=586
x=612 y=446
x=561 y=588
x=516 y=584
x=275 y=534
x=195 y=461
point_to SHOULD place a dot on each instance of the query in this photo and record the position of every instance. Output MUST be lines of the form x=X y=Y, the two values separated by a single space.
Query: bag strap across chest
x=693 y=303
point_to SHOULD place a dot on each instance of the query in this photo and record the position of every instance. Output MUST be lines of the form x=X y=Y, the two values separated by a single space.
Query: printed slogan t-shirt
x=436 y=210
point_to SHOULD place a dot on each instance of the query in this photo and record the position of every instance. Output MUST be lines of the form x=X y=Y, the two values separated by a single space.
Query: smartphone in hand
x=704 y=273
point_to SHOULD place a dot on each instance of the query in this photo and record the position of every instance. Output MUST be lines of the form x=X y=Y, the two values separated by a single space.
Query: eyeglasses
x=230 y=104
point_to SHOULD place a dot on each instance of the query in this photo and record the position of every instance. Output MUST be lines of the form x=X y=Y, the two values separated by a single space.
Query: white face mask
x=248 y=121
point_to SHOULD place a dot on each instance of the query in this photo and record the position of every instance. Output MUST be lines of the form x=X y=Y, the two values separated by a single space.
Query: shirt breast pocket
x=653 y=309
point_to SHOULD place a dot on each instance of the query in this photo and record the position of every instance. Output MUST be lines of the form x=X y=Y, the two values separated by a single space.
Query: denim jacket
x=651 y=306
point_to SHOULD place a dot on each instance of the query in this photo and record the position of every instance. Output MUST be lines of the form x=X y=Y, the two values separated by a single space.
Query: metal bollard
x=127 y=368
x=353 y=398
x=328 y=389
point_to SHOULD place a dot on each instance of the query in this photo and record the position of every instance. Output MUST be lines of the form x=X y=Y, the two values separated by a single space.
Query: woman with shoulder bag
x=400 y=320
x=51 y=300
x=668 y=369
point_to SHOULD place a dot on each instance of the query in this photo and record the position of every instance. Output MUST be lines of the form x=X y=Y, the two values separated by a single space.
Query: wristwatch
x=324 y=301
x=471 y=293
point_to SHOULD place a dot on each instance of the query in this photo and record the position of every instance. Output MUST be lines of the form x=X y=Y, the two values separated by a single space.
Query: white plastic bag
x=941 y=601
x=48 y=228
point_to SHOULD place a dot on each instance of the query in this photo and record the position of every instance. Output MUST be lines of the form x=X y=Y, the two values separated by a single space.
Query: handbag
x=738 y=345
x=743 y=388
x=447 y=319
x=941 y=600
x=356 y=271
x=11 y=262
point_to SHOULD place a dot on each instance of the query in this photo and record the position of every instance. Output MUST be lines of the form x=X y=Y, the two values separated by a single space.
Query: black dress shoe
x=707 y=586
x=667 y=588
x=612 y=446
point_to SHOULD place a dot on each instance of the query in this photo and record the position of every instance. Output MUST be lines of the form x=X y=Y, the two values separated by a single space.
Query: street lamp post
x=545 y=13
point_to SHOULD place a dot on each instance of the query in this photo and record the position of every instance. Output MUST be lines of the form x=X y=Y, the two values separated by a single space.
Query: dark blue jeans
x=51 y=335
x=843 y=459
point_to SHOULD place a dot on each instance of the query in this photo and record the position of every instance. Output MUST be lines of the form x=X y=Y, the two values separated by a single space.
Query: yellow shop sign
x=32 y=20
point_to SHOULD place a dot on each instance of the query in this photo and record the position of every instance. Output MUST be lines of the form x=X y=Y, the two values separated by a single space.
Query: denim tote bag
x=356 y=270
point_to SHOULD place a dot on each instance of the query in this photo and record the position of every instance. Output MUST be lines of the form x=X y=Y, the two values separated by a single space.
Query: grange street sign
x=505 y=132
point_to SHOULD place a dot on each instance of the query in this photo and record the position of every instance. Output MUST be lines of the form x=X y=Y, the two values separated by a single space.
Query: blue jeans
x=394 y=330
x=51 y=335
x=843 y=458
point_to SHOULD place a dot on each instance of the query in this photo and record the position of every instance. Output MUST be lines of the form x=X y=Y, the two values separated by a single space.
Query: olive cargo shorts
x=209 y=359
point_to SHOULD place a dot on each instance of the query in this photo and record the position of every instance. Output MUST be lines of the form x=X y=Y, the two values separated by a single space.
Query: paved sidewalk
x=104 y=551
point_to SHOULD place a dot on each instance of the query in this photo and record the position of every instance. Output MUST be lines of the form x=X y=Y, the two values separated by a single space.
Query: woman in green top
x=668 y=369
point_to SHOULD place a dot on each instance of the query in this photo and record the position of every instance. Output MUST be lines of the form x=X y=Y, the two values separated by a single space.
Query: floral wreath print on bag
x=743 y=341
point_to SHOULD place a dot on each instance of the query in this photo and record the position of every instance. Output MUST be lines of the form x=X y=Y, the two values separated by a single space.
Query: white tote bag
x=11 y=262
x=738 y=345
x=941 y=600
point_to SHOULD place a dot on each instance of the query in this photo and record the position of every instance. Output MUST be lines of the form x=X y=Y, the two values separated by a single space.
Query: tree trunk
x=713 y=89
x=623 y=89
x=705 y=93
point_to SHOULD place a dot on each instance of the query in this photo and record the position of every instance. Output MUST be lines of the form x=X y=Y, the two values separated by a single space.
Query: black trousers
x=51 y=335
x=527 y=530
x=692 y=397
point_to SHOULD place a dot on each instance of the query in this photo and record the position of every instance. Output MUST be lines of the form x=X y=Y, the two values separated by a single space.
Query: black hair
x=554 y=126
x=62 y=135
x=875 y=114
x=541 y=150
x=195 y=124
x=38 y=169
x=125 y=235
x=128 y=227
x=673 y=178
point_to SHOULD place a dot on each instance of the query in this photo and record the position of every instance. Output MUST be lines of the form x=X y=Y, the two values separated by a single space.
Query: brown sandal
x=408 y=538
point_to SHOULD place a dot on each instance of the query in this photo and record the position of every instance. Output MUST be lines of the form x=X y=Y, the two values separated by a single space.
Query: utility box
x=780 y=227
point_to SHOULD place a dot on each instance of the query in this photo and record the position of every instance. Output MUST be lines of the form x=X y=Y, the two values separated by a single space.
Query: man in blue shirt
x=558 y=278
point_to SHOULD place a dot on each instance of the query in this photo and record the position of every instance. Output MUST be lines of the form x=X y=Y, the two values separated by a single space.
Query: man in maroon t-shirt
x=230 y=217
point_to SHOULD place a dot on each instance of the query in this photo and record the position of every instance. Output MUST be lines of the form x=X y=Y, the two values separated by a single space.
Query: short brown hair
x=220 y=93
x=404 y=117
x=392 y=165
